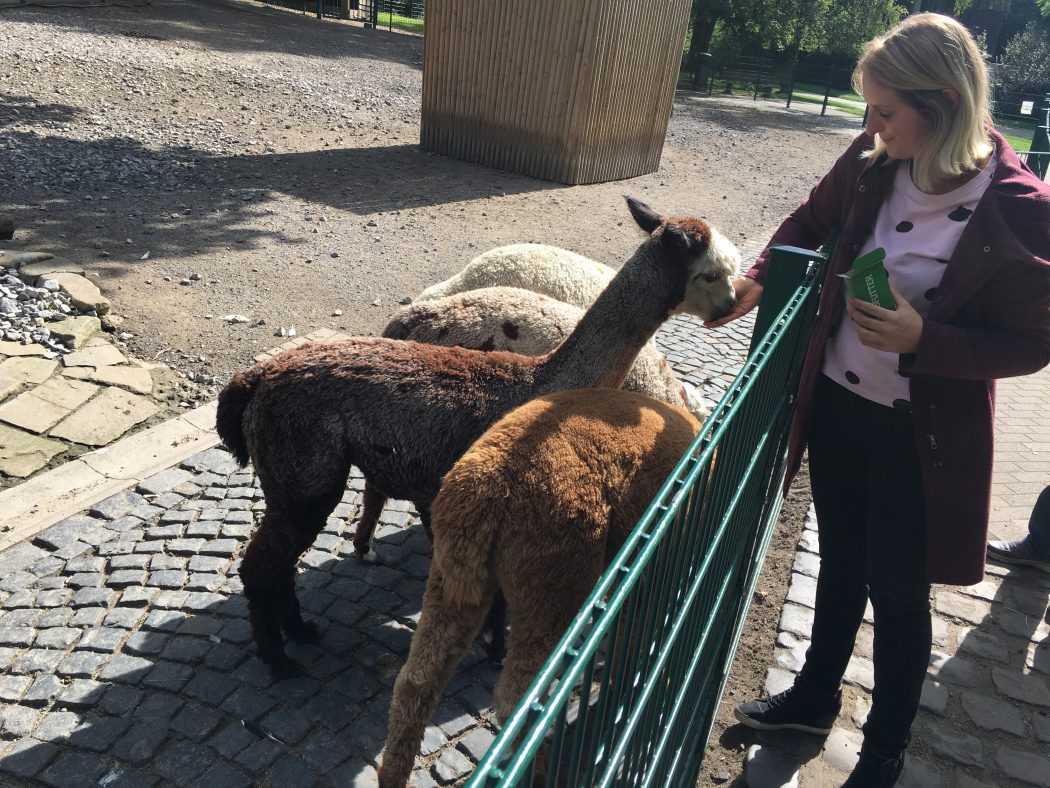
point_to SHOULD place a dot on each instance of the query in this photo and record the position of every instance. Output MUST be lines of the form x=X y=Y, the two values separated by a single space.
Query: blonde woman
x=896 y=406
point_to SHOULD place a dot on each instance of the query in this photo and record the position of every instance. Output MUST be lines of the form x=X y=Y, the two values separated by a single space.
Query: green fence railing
x=630 y=694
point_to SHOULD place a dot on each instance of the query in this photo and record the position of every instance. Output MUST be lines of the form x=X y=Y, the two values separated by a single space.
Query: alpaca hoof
x=304 y=632
x=367 y=557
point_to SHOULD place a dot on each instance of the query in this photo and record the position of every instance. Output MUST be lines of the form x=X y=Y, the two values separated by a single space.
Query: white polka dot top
x=919 y=232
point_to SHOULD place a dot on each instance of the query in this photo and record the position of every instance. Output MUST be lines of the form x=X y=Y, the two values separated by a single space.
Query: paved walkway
x=125 y=654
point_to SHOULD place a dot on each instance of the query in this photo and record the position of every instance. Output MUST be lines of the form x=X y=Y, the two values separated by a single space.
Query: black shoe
x=1020 y=552
x=875 y=771
x=798 y=709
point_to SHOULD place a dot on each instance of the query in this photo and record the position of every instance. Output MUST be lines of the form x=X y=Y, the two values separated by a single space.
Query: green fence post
x=1039 y=150
x=787 y=266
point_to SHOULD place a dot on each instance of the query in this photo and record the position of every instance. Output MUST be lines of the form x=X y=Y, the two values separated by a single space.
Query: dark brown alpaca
x=404 y=412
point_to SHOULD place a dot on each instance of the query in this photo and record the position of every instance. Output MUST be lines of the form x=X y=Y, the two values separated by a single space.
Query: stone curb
x=61 y=492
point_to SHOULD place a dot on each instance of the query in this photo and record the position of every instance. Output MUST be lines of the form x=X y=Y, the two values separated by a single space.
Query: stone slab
x=8 y=387
x=18 y=349
x=97 y=356
x=30 y=272
x=83 y=293
x=32 y=413
x=1027 y=688
x=27 y=370
x=75 y=331
x=134 y=379
x=1026 y=767
x=145 y=453
x=65 y=393
x=767 y=767
x=12 y=259
x=22 y=454
x=105 y=418
x=842 y=749
x=992 y=713
x=959 y=747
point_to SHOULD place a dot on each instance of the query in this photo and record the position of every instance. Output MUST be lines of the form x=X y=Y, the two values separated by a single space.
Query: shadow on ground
x=127 y=652
x=235 y=26
x=190 y=202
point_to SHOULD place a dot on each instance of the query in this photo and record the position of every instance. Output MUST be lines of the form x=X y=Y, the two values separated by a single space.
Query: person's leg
x=839 y=469
x=900 y=593
x=838 y=475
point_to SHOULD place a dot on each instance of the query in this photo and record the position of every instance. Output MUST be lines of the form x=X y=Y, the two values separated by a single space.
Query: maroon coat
x=990 y=319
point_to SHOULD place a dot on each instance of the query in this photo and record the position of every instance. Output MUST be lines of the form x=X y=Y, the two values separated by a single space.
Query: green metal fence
x=631 y=692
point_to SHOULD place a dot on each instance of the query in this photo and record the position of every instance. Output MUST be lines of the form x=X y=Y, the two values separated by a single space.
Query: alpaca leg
x=268 y=574
x=496 y=629
x=424 y=518
x=525 y=657
x=371 y=508
x=443 y=635
x=314 y=515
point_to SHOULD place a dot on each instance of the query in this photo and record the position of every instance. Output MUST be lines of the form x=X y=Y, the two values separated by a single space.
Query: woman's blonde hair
x=919 y=58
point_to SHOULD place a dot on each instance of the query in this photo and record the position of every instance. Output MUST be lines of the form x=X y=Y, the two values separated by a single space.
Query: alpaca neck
x=602 y=348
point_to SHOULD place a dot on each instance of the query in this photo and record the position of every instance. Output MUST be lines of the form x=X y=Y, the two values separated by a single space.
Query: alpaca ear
x=647 y=218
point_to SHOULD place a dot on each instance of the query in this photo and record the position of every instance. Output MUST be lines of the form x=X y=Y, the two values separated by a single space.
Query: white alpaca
x=558 y=273
x=521 y=321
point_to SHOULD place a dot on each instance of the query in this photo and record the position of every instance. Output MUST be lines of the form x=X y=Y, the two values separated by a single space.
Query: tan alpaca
x=536 y=508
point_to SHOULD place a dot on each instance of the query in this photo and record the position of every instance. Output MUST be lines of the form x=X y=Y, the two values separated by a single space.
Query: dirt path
x=276 y=158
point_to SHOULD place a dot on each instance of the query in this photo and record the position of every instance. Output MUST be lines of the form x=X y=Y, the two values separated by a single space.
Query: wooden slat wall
x=576 y=91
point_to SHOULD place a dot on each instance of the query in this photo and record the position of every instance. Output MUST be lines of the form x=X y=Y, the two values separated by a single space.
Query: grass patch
x=1021 y=144
x=387 y=19
x=850 y=108
x=835 y=92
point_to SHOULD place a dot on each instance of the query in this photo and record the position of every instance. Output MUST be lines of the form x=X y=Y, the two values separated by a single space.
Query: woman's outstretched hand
x=894 y=331
x=748 y=294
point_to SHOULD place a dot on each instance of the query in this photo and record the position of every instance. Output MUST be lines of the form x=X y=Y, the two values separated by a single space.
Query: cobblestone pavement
x=126 y=655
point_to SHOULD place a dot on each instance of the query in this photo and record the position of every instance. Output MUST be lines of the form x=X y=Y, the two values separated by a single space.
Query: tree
x=1025 y=63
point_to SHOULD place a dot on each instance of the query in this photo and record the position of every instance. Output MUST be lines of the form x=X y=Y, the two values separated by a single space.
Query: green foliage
x=1025 y=63
x=837 y=27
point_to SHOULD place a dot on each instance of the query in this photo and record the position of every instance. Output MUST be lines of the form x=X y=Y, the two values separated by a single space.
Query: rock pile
x=41 y=297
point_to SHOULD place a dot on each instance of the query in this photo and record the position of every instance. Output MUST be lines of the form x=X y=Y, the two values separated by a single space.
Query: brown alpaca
x=404 y=412
x=536 y=509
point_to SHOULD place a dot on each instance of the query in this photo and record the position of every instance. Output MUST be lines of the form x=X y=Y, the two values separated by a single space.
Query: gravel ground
x=276 y=158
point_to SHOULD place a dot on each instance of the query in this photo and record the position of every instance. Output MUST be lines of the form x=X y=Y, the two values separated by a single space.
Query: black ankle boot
x=875 y=770
x=800 y=708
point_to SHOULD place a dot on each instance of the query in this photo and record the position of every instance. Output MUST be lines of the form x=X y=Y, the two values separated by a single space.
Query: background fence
x=389 y=14
x=631 y=692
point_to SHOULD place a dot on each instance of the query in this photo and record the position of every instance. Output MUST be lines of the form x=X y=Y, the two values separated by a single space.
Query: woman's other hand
x=894 y=331
x=748 y=294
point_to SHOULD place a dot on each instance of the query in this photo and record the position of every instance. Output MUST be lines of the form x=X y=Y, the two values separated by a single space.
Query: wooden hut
x=576 y=91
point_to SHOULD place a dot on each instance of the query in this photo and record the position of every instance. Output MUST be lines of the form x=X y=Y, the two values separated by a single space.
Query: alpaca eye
x=711 y=278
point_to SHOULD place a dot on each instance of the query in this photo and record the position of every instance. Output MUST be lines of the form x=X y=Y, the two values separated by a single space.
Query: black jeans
x=867 y=491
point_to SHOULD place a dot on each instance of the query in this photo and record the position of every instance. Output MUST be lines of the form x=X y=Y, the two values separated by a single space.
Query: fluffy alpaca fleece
x=521 y=321
x=404 y=412
x=563 y=275
x=536 y=509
